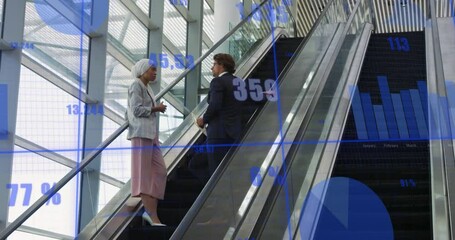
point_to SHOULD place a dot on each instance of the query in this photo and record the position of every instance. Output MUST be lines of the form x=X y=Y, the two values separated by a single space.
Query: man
x=223 y=113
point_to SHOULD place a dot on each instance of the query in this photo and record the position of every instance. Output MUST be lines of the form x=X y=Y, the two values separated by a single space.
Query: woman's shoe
x=159 y=224
x=146 y=218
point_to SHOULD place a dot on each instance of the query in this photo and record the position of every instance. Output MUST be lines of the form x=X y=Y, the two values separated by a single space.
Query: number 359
x=256 y=91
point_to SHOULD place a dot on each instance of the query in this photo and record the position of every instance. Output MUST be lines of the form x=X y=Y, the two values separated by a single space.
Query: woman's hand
x=160 y=108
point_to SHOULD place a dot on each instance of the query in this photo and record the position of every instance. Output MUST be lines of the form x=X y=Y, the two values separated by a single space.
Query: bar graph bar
x=380 y=119
x=418 y=111
x=369 y=116
x=358 y=115
x=409 y=114
x=399 y=115
x=402 y=115
x=388 y=107
x=422 y=86
x=3 y=111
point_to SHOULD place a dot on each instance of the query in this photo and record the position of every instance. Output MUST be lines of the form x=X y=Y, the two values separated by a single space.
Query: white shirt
x=221 y=74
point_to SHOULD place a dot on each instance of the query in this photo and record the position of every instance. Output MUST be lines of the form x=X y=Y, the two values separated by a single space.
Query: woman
x=148 y=171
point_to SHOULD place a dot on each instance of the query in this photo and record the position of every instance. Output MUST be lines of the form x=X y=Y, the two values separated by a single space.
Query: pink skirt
x=148 y=171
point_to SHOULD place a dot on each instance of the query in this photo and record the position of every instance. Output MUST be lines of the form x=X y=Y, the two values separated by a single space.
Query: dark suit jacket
x=223 y=114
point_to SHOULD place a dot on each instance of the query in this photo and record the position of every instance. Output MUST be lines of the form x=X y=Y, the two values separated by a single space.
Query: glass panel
x=175 y=67
x=174 y=27
x=118 y=79
x=144 y=5
x=259 y=25
x=17 y=235
x=106 y=193
x=116 y=159
x=126 y=33
x=208 y=21
x=302 y=171
x=48 y=116
x=169 y=121
x=117 y=156
x=234 y=190
x=206 y=69
x=54 y=48
x=32 y=176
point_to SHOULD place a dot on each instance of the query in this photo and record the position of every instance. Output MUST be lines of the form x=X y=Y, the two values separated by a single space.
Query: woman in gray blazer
x=148 y=171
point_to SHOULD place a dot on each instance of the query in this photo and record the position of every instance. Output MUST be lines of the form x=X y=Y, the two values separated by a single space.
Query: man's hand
x=161 y=107
x=200 y=122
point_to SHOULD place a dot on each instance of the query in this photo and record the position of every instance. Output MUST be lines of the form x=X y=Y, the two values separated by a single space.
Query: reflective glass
x=118 y=79
x=174 y=27
x=66 y=55
x=144 y=5
x=169 y=121
x=32 y=176
x=48 y=116
x=106 y=192
x=208 y=21
x=18 y=235
x=116 y=158
x=126 y=33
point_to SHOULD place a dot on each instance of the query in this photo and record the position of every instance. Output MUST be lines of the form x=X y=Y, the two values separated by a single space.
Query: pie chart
x=350 y=210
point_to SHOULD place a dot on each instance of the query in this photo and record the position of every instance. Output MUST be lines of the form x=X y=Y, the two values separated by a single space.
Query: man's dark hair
x=226 y=60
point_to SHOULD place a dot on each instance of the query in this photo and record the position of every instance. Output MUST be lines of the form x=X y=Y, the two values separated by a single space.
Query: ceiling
x=390 y=15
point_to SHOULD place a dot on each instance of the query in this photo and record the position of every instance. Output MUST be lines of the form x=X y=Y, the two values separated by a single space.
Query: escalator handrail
x=182 y=228
x=217 y=174
x=279 y=33
x=92 y=155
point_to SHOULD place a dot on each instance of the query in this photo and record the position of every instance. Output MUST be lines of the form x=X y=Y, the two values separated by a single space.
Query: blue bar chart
x=401 y=116
x=3 y=111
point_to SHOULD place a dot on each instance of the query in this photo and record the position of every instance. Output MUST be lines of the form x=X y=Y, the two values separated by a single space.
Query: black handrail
x=191 y=214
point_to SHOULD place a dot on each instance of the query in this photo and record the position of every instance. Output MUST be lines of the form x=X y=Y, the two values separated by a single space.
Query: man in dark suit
x=223 y=113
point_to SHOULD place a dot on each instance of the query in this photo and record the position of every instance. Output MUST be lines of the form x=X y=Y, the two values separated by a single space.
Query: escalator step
x=181 y=196
x=184 y=185
x=410 y=221
x=381 y=173
x=184 y=173
x=172 y=216
x=183 y=188
x=149 y=232
x=412 y=235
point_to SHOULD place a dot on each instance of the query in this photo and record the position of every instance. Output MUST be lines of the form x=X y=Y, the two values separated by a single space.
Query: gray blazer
x=142 y=122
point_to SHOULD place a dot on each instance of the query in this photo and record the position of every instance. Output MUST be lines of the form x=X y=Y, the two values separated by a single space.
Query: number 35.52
x=256 y=91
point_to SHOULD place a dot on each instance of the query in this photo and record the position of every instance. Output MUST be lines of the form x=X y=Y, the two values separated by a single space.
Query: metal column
x=13 y=31
x=194 y=48
x=93 y=127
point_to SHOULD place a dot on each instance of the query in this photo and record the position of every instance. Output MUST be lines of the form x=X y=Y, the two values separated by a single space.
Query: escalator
x=184 y=186
x=381 y=142
x=388 y=149
x=299 y=85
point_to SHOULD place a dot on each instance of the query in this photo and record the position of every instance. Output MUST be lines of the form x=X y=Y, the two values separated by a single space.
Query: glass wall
x=54 y=77
x=52 y=42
